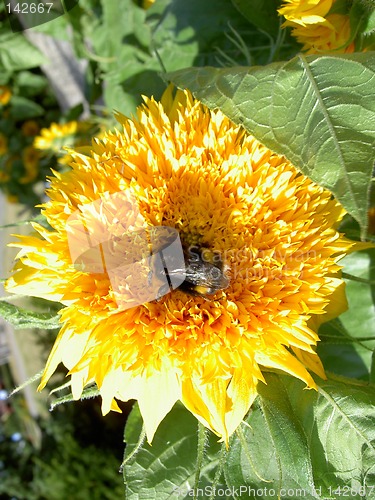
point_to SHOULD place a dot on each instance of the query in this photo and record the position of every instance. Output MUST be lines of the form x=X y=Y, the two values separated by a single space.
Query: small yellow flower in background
x=3 y=144
x=332 y=35
x=56 y=137
x=30 y=128
x=5 y=95
x=30 y=158
x=193 y=170
x=304 y=12
x=316 y=29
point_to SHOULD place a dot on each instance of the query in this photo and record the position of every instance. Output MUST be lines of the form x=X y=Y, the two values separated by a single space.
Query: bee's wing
x=177 y=273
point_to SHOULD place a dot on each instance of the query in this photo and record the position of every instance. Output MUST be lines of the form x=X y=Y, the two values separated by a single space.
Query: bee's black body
x=203 y=277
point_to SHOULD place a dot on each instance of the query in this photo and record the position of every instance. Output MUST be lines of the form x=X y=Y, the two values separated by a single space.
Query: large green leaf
x=302 y=444
x=166 y=470
x=317 y=111
x=294 y=444
x=22 y=318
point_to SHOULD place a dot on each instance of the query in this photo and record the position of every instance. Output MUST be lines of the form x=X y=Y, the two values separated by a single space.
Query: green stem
x=138 y=446
x=200 y=454
x=219 y=470
x=357 y=278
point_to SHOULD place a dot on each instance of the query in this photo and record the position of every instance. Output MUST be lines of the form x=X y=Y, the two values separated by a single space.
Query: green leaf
x=5 y=77
x=370 y=24
x=23 y=108
x=339 y=7
x=317 y=111
x=361 y=296
x=166 y=470
x=262 y=13
x=348 y=342
x=122 y=53
x=17 y=53
x=22 y=318
x=55 y=27
x=362 y=17
x=79 y=17
x=31 y=84
x=343 y=354
x=306 y=442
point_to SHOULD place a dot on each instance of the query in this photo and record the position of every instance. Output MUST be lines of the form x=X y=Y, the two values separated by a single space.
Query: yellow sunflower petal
x=159 y=392
x=242 y=392
x=311 y=360
x=305 y=12
x=207 y=401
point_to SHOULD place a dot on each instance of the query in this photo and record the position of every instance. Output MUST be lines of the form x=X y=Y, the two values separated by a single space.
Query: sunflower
x=57 y=139
x=180 y=166
x=304 y=12
x=332 y=35
x=315 y=28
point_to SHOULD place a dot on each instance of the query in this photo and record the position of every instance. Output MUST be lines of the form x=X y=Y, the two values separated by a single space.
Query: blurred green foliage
x=78 y=457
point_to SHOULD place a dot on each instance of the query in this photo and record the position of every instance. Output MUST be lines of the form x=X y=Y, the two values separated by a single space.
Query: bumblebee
x=204 y=274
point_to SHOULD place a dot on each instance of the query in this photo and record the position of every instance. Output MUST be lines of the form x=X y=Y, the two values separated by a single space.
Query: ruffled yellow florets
x=193 y=170
x=318 y=30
